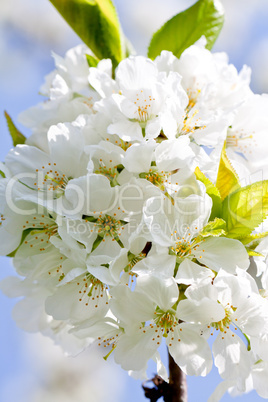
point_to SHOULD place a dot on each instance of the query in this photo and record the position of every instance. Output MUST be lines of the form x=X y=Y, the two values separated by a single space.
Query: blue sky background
x=28 y=35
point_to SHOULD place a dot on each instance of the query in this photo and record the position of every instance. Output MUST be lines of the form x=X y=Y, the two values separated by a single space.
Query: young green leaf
x=129 y=48
x=92 y=61
x=25 y=233
x=17 y=136
x=255 y=237
x=97 y=242
x=97 y=24
x=245 y=209
x=253 y=253
x=227 y=179
x=213 y=192
x=205 y=17
x=215 y=228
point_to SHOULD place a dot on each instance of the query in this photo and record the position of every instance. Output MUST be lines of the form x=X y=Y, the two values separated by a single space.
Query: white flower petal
x=205 y=311
x=102 y=82
x=138 y=157
x=161 y=265
x=190 y=272
x=133 y=352
x=26 y=159
x=135 y=73
x=163 y=292
x=190 y=350
x=131 y=308
x=89 y=194
x=153 y=128
x=220 y=390
x=66 y=144
x=231 y=356
x=125 y=129
x=8 y=241
x=68 y=304
x=128 y=108
x=224 y=253
x=173 y=154
x=259 y=376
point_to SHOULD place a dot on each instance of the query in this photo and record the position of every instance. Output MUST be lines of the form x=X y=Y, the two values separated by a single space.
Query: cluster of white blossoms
x=110 y=223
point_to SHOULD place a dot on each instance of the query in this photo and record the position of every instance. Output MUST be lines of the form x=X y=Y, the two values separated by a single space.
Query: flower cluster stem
x=177 y=383
x=174 y=391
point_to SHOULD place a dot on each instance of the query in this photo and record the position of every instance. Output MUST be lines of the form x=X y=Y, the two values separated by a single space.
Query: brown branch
x=174 y=391
x=161 y=388
x=177 y=383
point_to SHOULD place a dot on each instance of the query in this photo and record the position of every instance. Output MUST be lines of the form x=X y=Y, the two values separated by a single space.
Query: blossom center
x=108 y=226
x=144 y=103
x=189 y=123
x=40 y=235
x=184 y=246
x=193 y=95
x=226 y=321
x=155 y=177
x=241 y=140
x=51 y=179
x=133 y=260
x=111 y=173
x=91 y=290
x=55 y=270
x=165 y=320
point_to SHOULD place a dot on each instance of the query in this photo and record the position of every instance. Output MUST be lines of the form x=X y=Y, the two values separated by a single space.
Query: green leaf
x=92 y=61
x=129 y=48
x=97 y=24
x=255 y=237
x=205 y=17
x=253 y=253
x=245 y=209
x=213 y=192
x=215 y=228
x=96 y=243
x=227 y=179
x=17 y=136
x=90 y=218
x=25 y=233
x=2 y=174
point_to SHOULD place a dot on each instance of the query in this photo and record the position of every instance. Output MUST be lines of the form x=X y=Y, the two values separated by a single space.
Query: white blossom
x=114 y=238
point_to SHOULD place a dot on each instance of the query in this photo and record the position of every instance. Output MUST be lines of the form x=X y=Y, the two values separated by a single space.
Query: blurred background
x=32 y=369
